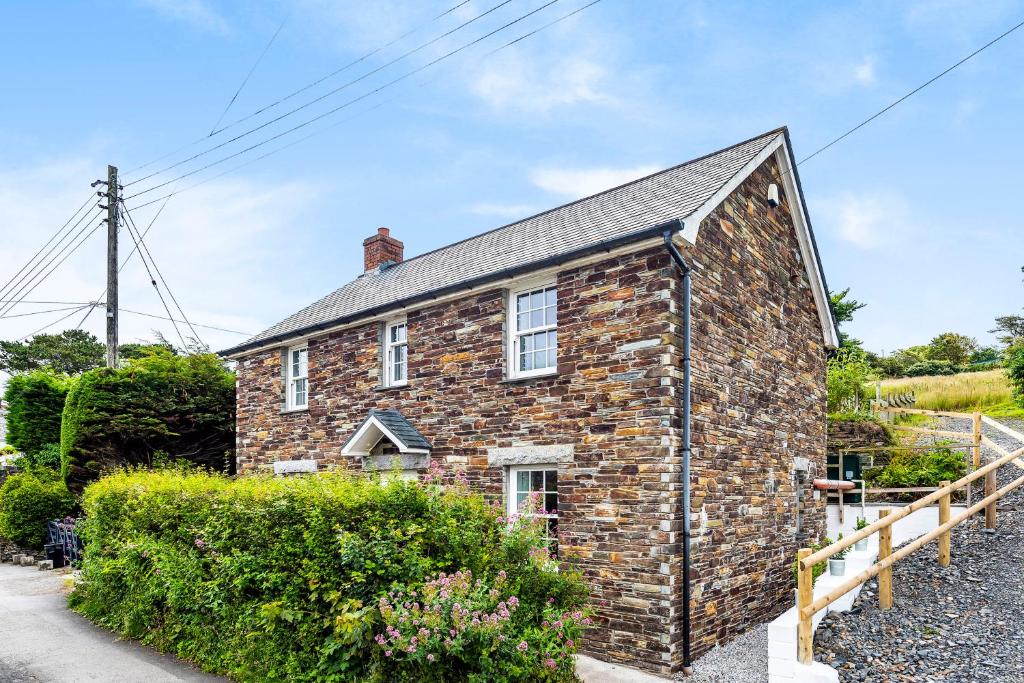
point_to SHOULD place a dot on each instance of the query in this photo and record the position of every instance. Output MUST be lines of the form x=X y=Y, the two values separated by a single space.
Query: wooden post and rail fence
x=807 y=606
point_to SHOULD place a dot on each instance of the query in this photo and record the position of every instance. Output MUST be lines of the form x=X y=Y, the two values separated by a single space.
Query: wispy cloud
x=522 y=83
x=867 y=220
x=576 y=183
x=194 y=12
x=864 y=73
x=501 y=210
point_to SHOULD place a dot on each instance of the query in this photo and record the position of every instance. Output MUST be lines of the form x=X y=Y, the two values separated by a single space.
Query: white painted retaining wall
x=783 y=666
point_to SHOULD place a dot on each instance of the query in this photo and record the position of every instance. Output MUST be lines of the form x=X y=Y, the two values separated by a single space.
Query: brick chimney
x=381 y=248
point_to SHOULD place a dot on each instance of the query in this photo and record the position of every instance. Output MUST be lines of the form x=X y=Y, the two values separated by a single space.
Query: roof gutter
x=606 y=245
x=687 y=447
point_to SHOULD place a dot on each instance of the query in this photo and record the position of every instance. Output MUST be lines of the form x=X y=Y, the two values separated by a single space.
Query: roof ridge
x=776 y=131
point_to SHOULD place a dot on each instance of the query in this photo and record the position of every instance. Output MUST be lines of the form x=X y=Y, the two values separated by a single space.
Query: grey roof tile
x=613 y=214
x=400 y=427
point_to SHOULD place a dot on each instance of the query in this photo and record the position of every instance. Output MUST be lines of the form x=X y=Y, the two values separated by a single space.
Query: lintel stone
x=529 y=455
x=401 y=461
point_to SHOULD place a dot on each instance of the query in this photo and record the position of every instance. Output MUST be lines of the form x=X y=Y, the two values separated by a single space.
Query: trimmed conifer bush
x=35 y=402
x=327 y=578
x=159 y=408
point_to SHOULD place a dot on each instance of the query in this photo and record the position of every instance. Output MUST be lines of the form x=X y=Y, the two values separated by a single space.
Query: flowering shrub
x=457 y=628
x=301 y=577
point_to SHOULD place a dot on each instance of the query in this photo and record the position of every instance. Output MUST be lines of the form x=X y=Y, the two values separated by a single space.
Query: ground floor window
x=533 y=490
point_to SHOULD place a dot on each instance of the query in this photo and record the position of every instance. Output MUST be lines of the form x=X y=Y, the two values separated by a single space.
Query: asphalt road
x=41 y=641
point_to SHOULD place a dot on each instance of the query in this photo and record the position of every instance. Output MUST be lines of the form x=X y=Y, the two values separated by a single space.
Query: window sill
x=287 y=411
x=529 y=378
x=391 y=387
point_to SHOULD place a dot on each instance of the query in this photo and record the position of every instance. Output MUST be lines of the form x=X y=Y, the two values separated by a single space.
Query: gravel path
x=743 y=659
x=962 y=624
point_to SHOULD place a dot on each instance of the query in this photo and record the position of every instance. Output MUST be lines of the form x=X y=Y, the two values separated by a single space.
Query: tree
x=160 y=407
x=952 y=347
x=1010 y=329
x=843 y=310
x=71 y=352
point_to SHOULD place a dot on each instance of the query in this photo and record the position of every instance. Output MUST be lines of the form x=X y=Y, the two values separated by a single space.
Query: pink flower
x=387 y=653
x=570 y=643
x=522 y=646
x=430 y=658
x=550 y=663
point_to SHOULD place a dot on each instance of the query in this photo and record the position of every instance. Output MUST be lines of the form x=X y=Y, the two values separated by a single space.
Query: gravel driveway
x=962 y=624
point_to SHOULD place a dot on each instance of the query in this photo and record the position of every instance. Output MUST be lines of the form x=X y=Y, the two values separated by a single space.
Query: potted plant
x=837 y=563
x=862 y=544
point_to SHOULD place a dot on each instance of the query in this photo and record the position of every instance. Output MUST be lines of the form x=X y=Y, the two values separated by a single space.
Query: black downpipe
x=685 y=268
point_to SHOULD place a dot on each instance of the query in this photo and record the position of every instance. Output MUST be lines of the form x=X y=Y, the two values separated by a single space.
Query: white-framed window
x=539 y=482
x=533 y=322
x=298 y=377
x=396 y=354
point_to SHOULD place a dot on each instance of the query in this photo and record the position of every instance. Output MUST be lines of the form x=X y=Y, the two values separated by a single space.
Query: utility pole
x=113 y=197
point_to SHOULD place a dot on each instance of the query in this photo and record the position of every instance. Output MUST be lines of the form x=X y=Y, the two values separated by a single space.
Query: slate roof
x=400 y=427
x=619 y=215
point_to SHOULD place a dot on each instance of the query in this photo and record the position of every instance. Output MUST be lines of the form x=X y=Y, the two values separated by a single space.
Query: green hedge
x=35 y=401
x=309 y=578
x=1014 y=361
x=28 y=500
x=158 y=408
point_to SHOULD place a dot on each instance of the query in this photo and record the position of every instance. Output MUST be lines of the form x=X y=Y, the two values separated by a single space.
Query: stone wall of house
x=609 y=402
x=857 y=434
x=759 y=409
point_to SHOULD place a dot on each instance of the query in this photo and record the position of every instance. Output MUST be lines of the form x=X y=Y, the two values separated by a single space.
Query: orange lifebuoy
x=833 y=485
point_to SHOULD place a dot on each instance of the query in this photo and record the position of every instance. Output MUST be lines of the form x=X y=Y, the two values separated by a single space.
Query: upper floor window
x=298 y=377
x=534 y=344
x=396 y=354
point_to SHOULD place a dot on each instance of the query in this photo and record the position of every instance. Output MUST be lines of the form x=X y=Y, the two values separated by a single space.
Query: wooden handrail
x=933 y=432
x=1003 y=428
x=807 y=607
x=921 y=411
x=897 y=515
x=873 y=570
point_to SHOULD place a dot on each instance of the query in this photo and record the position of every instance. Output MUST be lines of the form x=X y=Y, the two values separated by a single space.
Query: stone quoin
x=547 y=355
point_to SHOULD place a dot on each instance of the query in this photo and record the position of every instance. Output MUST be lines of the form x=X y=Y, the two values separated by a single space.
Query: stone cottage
x=549 y=356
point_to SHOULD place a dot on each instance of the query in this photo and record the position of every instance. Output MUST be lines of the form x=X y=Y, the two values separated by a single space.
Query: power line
x=55 y=322
x=152 y=281
x=335 y=109
x=49 y=310
x=22 y=292
x=367 y=56
x=54 y=236
x=160 y=274
x=245 y=80
x=208 y=327
x=335 y=90
x=911 y=93
x=305 y=87
x=362 y=113
x=4 y=290
x=25 y=301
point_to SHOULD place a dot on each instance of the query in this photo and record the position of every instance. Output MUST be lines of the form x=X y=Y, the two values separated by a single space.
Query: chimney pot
x=381 y=248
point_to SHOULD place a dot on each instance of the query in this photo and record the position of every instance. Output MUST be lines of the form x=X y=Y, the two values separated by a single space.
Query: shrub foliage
x=918 y=468
x=35 y=401
x=159 y=407
x=320 y=578
x=28 y=500
x=1015 y=371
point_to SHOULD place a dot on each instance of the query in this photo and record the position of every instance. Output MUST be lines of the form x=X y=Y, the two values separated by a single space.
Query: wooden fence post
x=884 y=550
x=990 y=509
x=976 y=451
x=804 y=597
x=943 y=518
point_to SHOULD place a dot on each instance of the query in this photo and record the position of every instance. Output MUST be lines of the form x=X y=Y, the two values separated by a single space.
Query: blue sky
x=918 y=213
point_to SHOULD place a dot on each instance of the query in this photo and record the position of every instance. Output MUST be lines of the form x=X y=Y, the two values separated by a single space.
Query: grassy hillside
x=988 y=392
